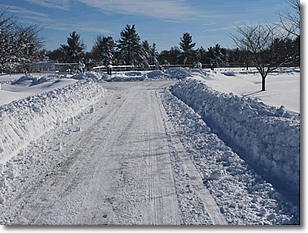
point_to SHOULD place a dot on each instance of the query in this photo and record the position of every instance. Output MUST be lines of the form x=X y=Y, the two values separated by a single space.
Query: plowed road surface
x=118 y=168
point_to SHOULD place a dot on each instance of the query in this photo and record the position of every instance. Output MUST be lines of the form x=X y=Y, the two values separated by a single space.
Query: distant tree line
x=130 y=50
x=265 y=46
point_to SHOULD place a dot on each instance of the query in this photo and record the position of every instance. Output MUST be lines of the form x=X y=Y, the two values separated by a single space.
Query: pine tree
x=201 y=55
x=173 y=56
x=103 y=49
x=154 y=54
x=74 y=51
x=186 y=46
x=216 y=55
x=129 y=46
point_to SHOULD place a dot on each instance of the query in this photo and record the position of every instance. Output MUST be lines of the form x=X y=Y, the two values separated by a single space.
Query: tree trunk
x=263 y=83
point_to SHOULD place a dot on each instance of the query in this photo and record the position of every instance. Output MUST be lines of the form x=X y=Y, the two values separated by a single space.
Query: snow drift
x=23 y=120
x=267 y=137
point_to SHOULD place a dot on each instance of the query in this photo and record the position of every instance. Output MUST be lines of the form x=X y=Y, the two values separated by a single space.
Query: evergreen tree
x=201 y=55
x=146 y=53
x=216 y=55
x=103 y=49
x=129 y=46
x=149 y=54
x=154 y=52
x=74 y=51
x=170 y=57
x=186 y=46
x=56 y=55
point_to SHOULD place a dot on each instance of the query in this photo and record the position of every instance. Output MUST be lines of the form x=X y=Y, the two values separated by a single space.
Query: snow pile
x=126 y=76
x=179 y=73
x=94 y=76
x=173 y=73
x=267 y=137
x=242 y=195
x=32 y=80
x=23 y=120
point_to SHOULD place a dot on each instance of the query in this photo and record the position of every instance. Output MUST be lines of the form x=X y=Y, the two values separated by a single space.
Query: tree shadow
x=251 y=93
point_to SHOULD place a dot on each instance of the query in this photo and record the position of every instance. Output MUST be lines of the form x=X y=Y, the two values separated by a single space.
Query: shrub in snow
x=269 y=137
x=23 y=120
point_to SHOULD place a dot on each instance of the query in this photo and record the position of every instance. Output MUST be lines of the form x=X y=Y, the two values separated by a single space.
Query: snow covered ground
x=29 y=86
x=282 y=86
x=165 y=163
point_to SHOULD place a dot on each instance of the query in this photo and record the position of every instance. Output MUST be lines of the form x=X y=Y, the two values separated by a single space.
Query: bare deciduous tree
x=290 y=21
x=261 y=42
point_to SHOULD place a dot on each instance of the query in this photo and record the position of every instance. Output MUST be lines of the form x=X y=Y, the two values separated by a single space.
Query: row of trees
x=129 y=49
x=265 y=46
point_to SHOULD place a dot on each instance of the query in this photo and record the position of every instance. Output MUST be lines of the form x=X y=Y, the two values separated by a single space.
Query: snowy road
x=118 y=168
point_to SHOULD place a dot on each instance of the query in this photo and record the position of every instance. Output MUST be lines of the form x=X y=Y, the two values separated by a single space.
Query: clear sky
x=159 y=21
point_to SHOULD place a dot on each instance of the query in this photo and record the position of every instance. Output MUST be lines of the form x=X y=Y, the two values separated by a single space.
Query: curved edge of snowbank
x=269 y=136
x=23 y=120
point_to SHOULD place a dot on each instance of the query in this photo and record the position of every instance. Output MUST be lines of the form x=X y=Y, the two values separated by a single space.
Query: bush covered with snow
x=268 y=137
x=24 y=120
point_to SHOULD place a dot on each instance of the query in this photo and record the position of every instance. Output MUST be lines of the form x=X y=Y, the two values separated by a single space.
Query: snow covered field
x=282 y=86
x=144 y=155
x=29 y=86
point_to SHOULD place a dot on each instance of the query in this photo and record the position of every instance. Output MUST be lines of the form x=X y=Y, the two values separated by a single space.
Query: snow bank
x=23 y=120
x=33 y=80
x=242 y=195
x=268 y=137
x=173 y=73
x=94 y=76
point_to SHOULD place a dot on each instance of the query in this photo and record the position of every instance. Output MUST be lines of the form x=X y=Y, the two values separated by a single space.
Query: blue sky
x=159 y=21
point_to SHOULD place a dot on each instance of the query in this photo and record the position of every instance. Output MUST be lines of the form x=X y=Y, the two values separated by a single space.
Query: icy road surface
x=118 y=168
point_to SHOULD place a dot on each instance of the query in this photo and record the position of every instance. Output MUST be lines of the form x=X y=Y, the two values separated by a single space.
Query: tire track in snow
x=107 y=180
x=130 y=168
x=198 y=207
x=160 y=169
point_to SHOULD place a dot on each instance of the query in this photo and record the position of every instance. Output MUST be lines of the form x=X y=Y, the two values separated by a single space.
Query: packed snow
x=244 y=143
